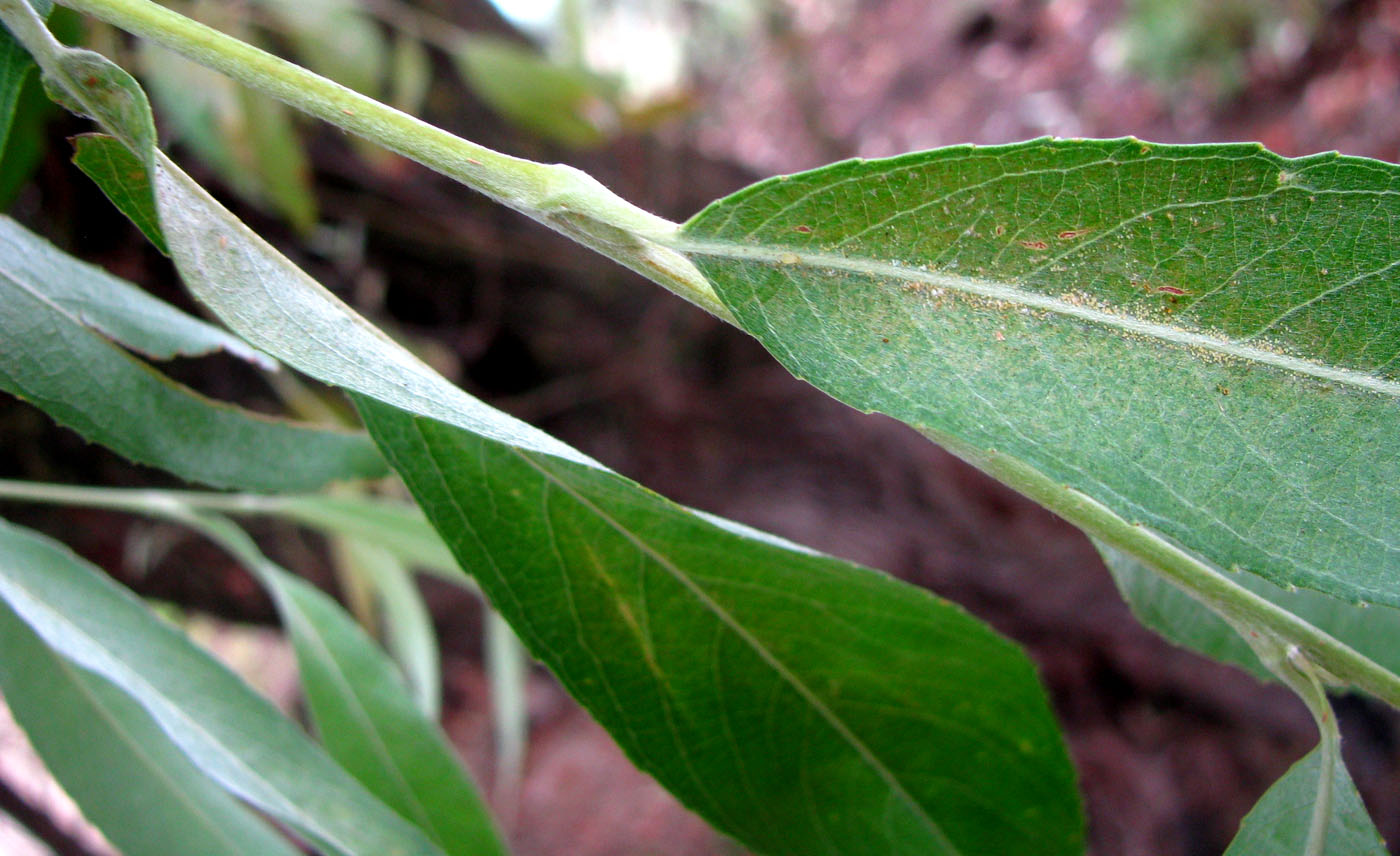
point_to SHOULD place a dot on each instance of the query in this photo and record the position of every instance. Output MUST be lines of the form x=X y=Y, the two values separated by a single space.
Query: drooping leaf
x=1204 y=339
x=25 y=147
x=364 y=714
x=1372 y=630
x=799 y=703
x=122 y=177
x=113 y=759
x=226 y=730
x=1278 y=824
x=111 y=305
x=51 y=357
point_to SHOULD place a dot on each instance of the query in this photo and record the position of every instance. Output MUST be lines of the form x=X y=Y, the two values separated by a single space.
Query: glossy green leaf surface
x=112 y=758
x=122 y=177
x=1204 y=339
x=229 y=732
x=52 y=358
x=1372 y=631
x=365 y=716
x=801 y=704
x=1278 y=824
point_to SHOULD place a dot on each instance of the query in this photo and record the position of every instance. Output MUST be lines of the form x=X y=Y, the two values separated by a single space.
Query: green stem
x=381 y=522
x=557 y=195
x=1261 y=621
x=1295 y=670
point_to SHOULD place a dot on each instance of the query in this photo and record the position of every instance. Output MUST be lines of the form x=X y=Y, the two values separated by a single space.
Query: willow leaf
x=1203 y=339
x=112 y=758
x=52 y=356
x=364 y=714
x=15 y=66
x=801 y=704
x=111 y=305
x=232 y=734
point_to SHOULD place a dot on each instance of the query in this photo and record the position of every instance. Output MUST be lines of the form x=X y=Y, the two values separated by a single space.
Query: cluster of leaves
x=1190 y=352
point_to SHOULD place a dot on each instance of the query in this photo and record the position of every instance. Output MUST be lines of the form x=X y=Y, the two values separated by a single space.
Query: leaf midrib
x=791 y=258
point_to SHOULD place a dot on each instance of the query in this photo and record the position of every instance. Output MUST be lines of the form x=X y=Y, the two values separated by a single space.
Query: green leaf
x=1203 y=339
x=561 y=103
x=113 y=759
x=51 y=357
x=15 y=66
x=801 y=704
x=365 y=716
x=402 y=618
x=1278 y=824
x=1372 y=631
x=229 y=732
x=122 y=177
x=112 y=306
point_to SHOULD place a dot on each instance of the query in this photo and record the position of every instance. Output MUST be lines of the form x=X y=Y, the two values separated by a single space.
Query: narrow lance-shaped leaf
x=229 y=732
x=112 y=758
x=111 y=305
x=364 y=714
x=1204 y=339
x=51 y=357
x=799 y=703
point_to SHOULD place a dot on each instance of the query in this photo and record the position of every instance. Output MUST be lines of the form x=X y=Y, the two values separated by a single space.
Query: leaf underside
x=1205 y=339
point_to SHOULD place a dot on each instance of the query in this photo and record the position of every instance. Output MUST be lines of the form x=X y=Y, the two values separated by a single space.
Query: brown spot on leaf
x=1035 y=245
x=1071 y=234
x=804 y=229
x=1171 y=289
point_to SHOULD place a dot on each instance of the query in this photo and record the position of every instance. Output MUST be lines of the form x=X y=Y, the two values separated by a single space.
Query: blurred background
x=673 y=103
